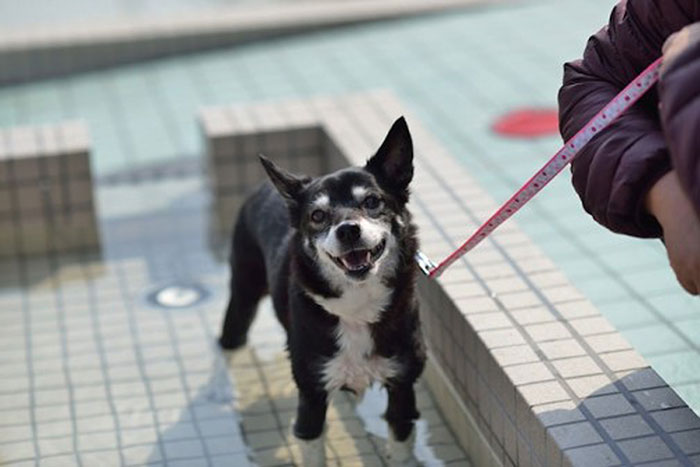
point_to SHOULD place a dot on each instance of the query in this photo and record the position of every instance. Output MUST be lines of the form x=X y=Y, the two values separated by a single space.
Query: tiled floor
x=458 y=72
x=94 y=374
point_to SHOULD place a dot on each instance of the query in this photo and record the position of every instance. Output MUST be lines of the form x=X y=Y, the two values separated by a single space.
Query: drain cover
x=178 y=295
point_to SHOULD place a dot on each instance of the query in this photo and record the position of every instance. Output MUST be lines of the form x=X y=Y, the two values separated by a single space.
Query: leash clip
x=424 y=263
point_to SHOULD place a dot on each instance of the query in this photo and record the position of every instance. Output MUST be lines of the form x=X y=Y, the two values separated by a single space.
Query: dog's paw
x=232 y=342
x=313 y=452
x=400 y=453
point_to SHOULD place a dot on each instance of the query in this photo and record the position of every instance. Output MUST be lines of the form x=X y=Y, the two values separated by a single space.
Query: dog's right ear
x=392 y=165
x=289 y=185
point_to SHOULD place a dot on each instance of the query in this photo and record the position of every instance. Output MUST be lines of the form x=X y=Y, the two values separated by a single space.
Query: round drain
x=178 y=296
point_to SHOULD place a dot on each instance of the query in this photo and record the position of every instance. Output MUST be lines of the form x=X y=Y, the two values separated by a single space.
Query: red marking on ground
x=527 y=123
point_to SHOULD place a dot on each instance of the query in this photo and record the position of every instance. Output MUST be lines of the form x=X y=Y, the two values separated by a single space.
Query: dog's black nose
x=348 y=233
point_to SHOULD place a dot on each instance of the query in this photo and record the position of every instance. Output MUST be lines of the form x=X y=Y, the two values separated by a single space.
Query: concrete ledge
x=46 y=196
x=544 y=378
x=31 y=53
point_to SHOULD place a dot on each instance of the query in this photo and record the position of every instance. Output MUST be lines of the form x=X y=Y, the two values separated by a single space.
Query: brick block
x=46 y=175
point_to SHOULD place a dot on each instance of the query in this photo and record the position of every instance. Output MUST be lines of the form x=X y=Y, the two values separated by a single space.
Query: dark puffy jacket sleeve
x=679 y=93
x=615 y=170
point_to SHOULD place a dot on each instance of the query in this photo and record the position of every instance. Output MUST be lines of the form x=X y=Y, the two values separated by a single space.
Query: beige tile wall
x=46 y=196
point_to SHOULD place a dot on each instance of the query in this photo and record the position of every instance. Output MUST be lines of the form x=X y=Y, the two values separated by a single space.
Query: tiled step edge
x=34 y=53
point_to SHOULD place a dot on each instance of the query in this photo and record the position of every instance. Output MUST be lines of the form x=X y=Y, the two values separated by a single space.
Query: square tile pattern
x=96 y=375
x=46 y=193
x=93 y=373
x=536 y=368
x=459 y=72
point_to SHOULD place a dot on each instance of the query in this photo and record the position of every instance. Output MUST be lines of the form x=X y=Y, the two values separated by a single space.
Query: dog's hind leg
x=248 y=285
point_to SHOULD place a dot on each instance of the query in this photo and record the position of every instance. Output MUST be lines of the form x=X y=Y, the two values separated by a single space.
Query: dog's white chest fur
x=355 y=365
x=359 y=303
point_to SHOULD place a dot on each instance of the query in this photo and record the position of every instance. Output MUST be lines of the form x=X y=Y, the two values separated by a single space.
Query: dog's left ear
x=288 y=185
x=392 y=165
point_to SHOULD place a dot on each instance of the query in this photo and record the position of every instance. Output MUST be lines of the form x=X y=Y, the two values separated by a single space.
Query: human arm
x=669 y=204
x=675 y=198
x=616 y=169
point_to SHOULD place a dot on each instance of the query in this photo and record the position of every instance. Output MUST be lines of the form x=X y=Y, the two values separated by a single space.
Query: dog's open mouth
x=358 y=262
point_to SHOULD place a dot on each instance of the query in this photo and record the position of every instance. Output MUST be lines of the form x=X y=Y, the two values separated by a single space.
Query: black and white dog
x=336 y=254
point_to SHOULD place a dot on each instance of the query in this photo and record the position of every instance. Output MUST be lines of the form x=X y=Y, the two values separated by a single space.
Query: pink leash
x=620 y=103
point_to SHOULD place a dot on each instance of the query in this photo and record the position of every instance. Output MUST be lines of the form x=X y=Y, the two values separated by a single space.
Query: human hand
x=681 y=225
x=677 y=43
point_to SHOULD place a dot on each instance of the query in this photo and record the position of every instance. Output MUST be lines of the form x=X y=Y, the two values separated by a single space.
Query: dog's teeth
x=356 y=260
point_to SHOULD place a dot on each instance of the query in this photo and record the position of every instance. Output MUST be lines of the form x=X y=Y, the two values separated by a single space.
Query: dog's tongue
x=357 y=259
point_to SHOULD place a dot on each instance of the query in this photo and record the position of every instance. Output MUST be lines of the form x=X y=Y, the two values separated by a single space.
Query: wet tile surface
x=95 y=374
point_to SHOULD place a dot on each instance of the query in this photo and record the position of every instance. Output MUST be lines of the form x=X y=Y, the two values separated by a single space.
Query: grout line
x=185 y=386
x=53 y=268
x=174 y=345
x=30 y=365
x=26 y=312
x=136 y=346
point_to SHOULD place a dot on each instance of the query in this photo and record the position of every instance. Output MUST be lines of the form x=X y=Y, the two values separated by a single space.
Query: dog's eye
x=371 y=202
x=318 y=216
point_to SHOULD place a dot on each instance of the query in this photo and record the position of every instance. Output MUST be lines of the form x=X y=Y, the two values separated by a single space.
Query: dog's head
x=350 y=222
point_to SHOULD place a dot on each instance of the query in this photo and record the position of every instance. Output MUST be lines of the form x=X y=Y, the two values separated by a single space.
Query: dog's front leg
x=401 y=414
x=308 y=428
